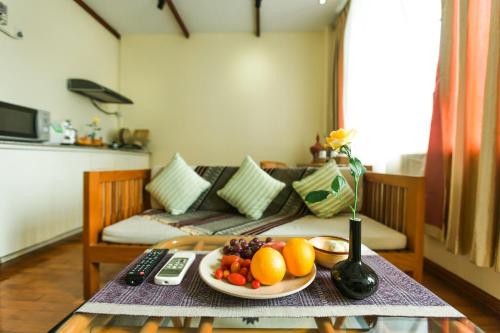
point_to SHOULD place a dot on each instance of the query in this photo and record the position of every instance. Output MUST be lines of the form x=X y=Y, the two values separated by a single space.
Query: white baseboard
x=32 y=248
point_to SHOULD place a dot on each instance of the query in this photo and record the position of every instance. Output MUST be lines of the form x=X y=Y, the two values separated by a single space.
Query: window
x=391 y=53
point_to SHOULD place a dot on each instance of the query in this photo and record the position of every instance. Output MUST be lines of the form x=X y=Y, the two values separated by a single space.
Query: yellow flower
x=96 y=120
x=340 y=137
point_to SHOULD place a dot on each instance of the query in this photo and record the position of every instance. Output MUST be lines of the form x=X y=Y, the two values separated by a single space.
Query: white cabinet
x=41 y=191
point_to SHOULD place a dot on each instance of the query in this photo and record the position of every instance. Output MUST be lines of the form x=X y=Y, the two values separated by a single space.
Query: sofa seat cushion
x=140 y=230
x=375 y=235
x=143 y=230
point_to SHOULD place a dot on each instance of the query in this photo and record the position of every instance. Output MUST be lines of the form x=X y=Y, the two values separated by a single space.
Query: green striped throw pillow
x=177 y=186
x=251 y=189
x=322 y=180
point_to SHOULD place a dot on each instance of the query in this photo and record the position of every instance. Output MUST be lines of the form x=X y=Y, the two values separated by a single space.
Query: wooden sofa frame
x=111 y=196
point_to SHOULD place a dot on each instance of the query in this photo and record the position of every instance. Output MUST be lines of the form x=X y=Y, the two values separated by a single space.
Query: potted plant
x=93 y=130
x=352 y=276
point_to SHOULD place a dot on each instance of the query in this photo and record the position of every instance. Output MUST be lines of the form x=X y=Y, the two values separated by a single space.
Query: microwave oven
x=20 y=123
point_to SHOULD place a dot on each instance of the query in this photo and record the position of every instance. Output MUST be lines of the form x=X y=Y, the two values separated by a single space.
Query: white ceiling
x=142 y=16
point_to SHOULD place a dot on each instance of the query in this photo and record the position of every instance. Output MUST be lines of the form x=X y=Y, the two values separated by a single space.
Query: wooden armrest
x=398 y=202
x=111 y=196
x=396 y=180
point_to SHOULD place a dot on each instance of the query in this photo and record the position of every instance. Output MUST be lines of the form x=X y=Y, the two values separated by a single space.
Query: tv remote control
x=143 y=268
x=175 y=269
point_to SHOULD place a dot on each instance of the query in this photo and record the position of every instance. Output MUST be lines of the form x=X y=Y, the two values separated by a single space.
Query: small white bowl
x=324 y=256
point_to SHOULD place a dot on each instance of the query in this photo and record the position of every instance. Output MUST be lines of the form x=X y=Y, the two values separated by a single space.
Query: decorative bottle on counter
x=315 y=149
x=69 y=133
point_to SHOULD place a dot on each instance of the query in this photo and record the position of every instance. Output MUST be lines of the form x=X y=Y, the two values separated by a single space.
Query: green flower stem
x=347 y=150
x=344 y=200
x=356 y=182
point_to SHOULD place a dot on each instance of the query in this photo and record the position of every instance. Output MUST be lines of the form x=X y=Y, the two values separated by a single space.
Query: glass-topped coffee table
x=83 y=322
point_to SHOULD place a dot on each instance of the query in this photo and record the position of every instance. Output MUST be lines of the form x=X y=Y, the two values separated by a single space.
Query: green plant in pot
x=352 y=276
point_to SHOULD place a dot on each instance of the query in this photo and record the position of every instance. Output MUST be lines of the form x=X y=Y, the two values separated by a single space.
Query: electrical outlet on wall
x=3 y=14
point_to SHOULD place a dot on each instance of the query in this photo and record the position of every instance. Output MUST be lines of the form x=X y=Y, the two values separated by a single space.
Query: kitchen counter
x=41 y=196
x=52 y=146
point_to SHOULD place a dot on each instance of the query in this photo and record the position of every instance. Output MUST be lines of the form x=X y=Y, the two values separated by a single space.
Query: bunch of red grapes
x=244 y=249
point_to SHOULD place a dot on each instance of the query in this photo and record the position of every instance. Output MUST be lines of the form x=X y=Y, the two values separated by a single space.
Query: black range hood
x=96 y=92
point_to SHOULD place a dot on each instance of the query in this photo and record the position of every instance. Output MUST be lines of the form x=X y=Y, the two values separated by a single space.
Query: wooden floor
x=40 y=289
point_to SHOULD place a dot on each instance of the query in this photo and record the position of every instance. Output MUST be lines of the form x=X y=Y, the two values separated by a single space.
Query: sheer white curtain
x=391 y=52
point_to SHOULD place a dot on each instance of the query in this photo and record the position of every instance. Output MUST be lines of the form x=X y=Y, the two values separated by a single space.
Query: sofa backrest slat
x=111 y=196
x=398 y=202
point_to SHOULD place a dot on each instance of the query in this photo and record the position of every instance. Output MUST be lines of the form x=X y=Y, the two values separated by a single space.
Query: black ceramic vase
x=352 y=277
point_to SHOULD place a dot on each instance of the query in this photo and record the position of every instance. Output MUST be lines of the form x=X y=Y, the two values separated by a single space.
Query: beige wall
x=217 y=97
x=484 y=278
x=61 y=41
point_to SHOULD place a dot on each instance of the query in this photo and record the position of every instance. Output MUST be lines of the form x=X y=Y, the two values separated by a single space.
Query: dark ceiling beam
x=257 y=17
x=178 y=18
x=98 y=18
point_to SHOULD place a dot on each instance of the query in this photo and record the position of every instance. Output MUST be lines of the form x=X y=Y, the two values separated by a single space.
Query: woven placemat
x=398 y=295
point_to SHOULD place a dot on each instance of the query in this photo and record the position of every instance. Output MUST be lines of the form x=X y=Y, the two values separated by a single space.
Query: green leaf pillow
x=251 y=189
x=321 y=183
x=177 y=186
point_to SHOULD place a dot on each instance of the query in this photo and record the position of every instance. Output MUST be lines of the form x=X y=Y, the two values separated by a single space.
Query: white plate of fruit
x=257 y=269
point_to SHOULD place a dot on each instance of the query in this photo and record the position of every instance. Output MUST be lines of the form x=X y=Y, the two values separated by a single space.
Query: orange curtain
x=462 y=162
x=338 y=69
x=437 y=171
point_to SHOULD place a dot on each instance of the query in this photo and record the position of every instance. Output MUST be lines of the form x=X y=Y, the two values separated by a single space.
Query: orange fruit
x=299 y=256
x=268 y=266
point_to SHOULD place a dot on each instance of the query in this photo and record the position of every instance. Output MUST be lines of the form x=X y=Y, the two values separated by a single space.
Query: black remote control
x=143 y=268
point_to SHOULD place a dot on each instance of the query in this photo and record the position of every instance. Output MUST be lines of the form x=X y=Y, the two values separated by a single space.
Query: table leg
x=324 y=325
x=206 y=325
x=438 y=324
x=463 y=326
x=338 y=322
x=371 y=321
x=77 y=323
x=100 y=320
x=199 y=246
x=152 y=324
x=176 y=321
